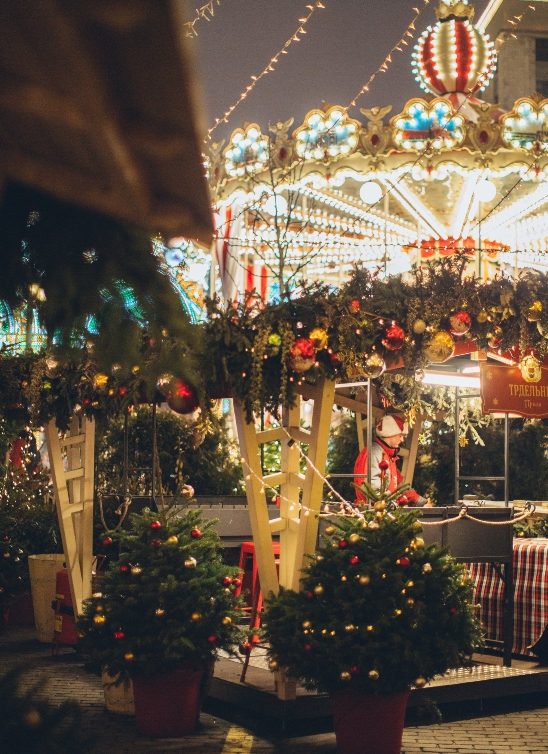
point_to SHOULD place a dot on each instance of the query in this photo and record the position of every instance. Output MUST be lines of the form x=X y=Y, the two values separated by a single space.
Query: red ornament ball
x=393 y=338
x=195 y=533
x=212 y=639
x=383 y=465
x=181 y=397
x=155 y=525
x=302 y=355
x=156 y=543
x=354 y=560
x=124 y=568
x=227 y=580
x=343 y=543
x=460 y=322
x=107 y=541
x=354 y=305
x=236 y=582
x=119 y=635
x=404 y=562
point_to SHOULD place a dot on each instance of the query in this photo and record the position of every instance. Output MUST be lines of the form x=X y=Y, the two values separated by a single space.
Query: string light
x=205 y=12
x=254 y=79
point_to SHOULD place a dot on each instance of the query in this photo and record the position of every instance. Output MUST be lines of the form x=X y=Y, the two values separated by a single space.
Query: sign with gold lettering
x=520 y=389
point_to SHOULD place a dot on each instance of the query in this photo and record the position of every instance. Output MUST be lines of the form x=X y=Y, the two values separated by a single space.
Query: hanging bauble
x=530 y=368
x=482 y=316
x=273 y=344
x=454 y=57
x=302 y=356
x=419 y=326
x=460 y=322
x=163 y=383
x=354 y=306
x=542 y=329
x=534 y=312
x=373 y=366
x=440 y=347
x=100 y=381
x=182 y=398
x=393 y=338
x=319 y=338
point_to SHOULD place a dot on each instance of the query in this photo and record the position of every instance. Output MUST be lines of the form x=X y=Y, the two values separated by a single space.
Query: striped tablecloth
x=530 y=594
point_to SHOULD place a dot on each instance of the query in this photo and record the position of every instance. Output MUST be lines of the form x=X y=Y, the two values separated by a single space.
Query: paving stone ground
x=514 y=731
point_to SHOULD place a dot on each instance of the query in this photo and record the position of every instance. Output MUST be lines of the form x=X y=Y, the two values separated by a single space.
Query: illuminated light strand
x=205 y=12
x=388 y=59
x=254 y=79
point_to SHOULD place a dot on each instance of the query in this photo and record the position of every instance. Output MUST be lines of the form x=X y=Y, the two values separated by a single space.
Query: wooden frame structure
x=72 y=469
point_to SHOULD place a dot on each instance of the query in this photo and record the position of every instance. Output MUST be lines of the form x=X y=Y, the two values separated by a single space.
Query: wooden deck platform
x=256 y=701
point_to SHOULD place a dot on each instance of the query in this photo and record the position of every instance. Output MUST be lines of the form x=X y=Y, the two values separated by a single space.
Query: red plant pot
x=167 y=705
x=368 y=723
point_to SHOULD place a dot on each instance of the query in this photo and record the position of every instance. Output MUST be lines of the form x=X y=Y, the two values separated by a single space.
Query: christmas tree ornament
x=380 y=505
x=156 y=543
x=374 y=675
x=213 y=639
x=274 y=343
x=482 y=316
x=100 y=381
x=534 y=312
x=124 y=568
x=364 y=579
x=373 y=366
x=155 y=525
x=119 y=635
x=163 y=383
x=195 y=533
x=343 y=544
x=226 y=620
x=393 y=338
x=196 y=616
x=398 y=612
x=302 y=355
x=318 y=589
x=159 y=612
x=345 y=675
x=419 y=326
x=136 y=570
x=272 y=665
x=494 y=337
x=354 y=306
x=227 y=580
x=404 y=562
x=329 y=530
x=354 y=560
x=107 y=541
x=350 y=628
x=418 y=542
x=460 y=322
x=99 y=619
x=181 y=397
x=306 y=624
x=172 y=540
x=354 y=538
x=319 y=338
x=236 y=582
x=427 y=568
x=129 y=656
x=440 y=347
x=190 y=563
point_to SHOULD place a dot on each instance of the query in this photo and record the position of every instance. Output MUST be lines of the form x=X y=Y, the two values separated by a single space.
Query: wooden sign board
x=515 y=389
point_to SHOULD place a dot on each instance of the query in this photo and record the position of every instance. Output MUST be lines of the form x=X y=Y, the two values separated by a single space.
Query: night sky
x=345 y=43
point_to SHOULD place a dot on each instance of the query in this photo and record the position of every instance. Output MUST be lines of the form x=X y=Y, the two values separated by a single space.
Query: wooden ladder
x=72 y=469
x=300 y=493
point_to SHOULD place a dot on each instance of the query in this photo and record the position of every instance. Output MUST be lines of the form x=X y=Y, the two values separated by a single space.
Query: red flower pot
x=167 y=705
x=368 y=723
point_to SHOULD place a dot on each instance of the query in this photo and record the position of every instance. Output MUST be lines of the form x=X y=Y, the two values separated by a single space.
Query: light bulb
x=486 y=190
x=275 y=205
x=370 y=192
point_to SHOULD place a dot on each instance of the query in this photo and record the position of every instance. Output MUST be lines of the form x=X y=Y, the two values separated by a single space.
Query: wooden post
x=72 y=470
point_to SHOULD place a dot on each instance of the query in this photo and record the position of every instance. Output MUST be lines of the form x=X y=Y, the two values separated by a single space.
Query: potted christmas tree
x=165 y=609
x=379 y=612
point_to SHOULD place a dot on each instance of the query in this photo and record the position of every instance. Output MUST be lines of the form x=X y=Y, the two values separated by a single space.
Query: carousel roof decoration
x=434 y=124
x=248 y=151
x=454 y=58
x=326 y=135
x=526 y=126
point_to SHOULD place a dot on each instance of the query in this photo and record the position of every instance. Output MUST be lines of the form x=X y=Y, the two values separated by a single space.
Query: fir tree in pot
x=378 y=613
x=166 y=608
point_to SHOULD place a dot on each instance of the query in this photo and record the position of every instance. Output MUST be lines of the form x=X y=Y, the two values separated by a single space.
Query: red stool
x=251 y=587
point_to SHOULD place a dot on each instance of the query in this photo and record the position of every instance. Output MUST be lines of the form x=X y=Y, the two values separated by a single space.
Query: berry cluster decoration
x=379 y=611
x=167 y=601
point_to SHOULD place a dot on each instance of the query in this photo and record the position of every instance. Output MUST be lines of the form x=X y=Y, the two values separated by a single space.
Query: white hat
x=391 y=425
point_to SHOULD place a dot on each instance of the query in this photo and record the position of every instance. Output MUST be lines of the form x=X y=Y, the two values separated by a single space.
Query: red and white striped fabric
x=530 y=567
x=256 y=279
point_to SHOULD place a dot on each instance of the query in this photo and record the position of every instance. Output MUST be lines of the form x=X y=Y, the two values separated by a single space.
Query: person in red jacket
x=390 y=432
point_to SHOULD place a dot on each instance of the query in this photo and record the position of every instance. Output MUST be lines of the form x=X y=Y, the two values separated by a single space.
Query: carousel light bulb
x=486 y=190
x=370 y=192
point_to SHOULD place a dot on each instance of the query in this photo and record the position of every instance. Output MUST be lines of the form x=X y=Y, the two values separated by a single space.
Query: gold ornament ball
x=350 y=628
x=364 y=579
x=374 y=675
x=354 y=538
x=99 y=609
x=420 y=682
x=318 y=589
x=427 y=568
x=534 y=312
x=418 y=542
x=482 y=316
x=136 y=570
x=190 y=563
x=272 y=665
x=196 y=616
x=319 y=337
x=380 y=505
x=419 y=326
x=172 y=540
x=345 y=675
x=440 y=347
x=99 y=620
x=160 y=612
x=227 y=620
x=329 y=530
x=373 y=366
x=306 y=624
x=100 y=381
x=129 y=656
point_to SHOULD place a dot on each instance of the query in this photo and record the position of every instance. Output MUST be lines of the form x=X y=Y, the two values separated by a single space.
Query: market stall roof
x=97 y=106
